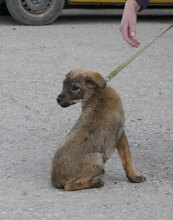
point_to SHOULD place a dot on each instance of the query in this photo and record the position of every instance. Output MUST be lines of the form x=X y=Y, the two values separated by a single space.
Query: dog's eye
x=75 y=87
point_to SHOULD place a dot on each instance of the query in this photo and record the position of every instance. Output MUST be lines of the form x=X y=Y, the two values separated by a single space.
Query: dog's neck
x=96 y=100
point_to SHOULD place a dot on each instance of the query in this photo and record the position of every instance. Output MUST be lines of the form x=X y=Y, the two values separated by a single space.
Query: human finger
x=130 y=40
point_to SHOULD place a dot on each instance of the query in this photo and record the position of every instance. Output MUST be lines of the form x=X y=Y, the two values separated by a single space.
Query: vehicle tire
x=35 y=12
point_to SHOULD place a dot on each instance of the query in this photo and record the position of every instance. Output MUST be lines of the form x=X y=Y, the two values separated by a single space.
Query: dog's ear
x=69 y=73
x=95 y=78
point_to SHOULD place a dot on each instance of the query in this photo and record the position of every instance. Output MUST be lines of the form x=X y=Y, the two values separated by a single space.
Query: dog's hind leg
x=85 y=180
x=127 y=161
x=54 y=181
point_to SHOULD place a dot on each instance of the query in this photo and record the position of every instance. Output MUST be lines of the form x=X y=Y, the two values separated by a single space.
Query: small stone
x=24 y=193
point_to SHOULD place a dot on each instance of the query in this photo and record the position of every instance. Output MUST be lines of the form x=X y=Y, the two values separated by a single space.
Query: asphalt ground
x=33 y=64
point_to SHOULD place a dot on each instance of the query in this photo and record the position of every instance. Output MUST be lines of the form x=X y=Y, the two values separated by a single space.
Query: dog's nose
x=59 y=99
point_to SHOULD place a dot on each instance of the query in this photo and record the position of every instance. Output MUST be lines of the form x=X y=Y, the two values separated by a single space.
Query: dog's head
x=79 y=85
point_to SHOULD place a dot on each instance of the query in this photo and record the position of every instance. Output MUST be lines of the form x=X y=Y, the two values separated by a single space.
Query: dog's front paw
x=137 y=179
x=97 y=183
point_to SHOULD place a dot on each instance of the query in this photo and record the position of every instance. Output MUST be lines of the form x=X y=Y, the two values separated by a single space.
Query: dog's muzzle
x=61 y=103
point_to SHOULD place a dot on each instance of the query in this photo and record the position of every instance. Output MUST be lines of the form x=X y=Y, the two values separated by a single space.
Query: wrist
x=133 y=4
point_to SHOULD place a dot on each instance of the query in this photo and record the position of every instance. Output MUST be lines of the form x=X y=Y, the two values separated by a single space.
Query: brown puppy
x=93 y=139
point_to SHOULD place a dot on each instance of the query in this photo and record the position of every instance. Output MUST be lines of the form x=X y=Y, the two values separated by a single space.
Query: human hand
x=128 y=22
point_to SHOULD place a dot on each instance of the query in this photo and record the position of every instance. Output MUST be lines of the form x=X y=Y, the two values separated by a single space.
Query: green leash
x=123 y=65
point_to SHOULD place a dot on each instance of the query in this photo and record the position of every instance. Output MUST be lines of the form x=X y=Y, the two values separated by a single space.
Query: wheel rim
x=36 y=6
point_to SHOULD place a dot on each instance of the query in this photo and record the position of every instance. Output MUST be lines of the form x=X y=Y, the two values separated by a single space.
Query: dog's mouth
x=64 y=104
x=76 y=101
